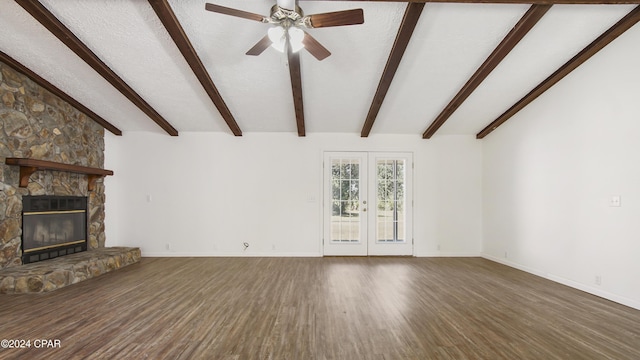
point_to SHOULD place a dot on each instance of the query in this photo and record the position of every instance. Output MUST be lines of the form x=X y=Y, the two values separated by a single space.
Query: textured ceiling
x=449 y=43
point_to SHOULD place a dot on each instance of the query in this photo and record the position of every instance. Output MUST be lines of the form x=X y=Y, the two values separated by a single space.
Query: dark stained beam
x=175 y=30
x=409 y=21
x=603 y=40
x=539 y=2
x=296 y=88
x=526 y=23
x=59 y=93
x=49 y=21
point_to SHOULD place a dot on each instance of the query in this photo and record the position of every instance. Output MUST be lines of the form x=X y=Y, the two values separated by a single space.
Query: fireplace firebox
x=53 y=226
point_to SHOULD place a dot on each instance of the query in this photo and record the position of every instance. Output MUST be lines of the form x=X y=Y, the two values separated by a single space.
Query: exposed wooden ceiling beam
x=296 y=89
x=526 y=23
x=49 y=21
x=539 y=2
x=59 y=93
x=409 y=21
x=175 y=30
x=603 y=40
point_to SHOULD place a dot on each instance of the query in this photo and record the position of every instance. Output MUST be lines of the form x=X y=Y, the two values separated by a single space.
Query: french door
x=368 y=203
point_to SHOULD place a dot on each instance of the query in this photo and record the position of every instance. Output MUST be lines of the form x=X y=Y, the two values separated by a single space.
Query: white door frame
x=367 y=209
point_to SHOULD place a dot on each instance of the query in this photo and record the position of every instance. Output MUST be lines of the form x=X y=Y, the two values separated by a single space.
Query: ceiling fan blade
x=235 y=12
x=296 y=88
x=261 y=46
x=314 y=47
x=337 y=18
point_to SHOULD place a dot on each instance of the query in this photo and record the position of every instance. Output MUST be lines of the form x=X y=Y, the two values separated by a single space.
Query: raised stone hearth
x=66 y=270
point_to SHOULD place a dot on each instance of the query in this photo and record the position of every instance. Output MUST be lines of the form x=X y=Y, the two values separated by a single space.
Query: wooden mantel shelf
x=29 y=166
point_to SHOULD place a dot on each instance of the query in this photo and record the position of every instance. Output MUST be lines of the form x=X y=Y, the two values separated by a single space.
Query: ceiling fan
x=288 y=22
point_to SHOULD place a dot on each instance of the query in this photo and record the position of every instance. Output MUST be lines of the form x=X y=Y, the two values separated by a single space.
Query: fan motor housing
x=280 y=14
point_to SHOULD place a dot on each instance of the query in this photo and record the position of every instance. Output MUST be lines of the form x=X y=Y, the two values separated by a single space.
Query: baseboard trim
x=271 y=254
x=567 y=282
x=448 y=254
x=219 y=254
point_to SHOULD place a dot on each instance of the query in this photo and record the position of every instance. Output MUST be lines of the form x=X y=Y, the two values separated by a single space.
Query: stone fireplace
x=51 y=191
x=37 y=124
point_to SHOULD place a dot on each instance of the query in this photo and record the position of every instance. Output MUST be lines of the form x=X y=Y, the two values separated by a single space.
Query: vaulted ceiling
x=412 y=68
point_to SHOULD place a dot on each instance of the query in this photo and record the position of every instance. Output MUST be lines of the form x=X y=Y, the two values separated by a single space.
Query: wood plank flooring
x=320 y=308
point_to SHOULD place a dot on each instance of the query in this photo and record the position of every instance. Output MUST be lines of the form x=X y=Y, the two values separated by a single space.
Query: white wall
x=210 y=192
x=549 y=172
x=534 y=194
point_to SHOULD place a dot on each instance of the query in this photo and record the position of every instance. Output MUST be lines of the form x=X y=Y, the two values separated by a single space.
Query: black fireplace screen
x=53 y=226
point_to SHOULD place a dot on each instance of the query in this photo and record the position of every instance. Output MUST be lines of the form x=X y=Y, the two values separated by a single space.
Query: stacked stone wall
x=37 y=124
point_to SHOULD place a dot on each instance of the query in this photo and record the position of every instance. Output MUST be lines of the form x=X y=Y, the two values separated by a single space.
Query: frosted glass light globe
x=277 y=36
x=296 y=36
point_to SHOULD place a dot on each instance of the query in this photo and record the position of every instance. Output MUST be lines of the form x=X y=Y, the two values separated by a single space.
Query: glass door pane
x=345 y=204
x=390 y=200
x=390 y=217
x=345 y=200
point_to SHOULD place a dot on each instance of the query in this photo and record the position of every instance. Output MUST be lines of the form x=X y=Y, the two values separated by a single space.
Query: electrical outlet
x=438 y=247
x=506 y=254
x=598 y=280
x=615 y=201
x=167 y=247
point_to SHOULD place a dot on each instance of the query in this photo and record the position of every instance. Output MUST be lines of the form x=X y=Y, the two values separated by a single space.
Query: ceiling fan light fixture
x=296 y=35
x=287 y=22
x=277 y=36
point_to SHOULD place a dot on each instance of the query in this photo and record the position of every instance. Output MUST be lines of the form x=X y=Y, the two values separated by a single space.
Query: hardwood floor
x=319 y=308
